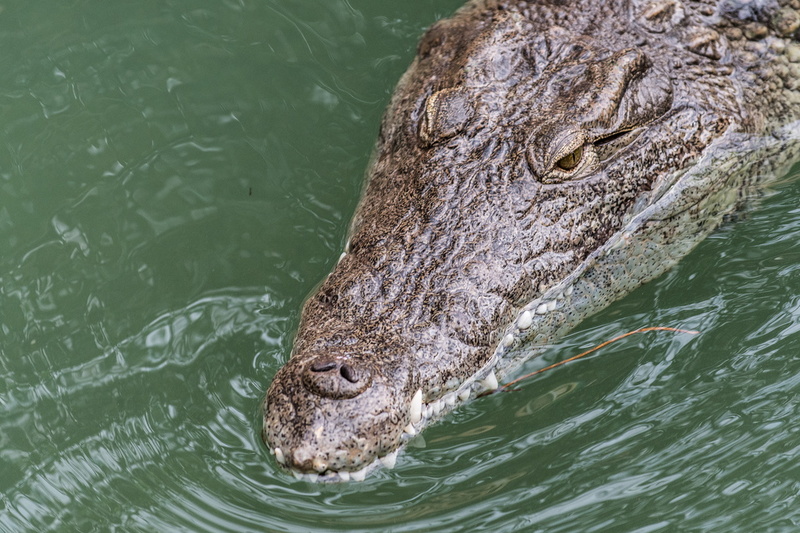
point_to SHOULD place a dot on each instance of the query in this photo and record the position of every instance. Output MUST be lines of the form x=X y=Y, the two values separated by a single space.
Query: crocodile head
x=514 y=149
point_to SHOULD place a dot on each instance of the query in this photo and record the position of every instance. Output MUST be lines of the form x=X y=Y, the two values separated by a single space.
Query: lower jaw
x=330 y=476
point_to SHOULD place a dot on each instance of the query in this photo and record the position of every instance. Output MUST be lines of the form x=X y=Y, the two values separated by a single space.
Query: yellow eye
x=570 y=161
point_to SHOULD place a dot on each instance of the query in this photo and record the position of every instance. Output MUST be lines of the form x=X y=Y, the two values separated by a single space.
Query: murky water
x=175 y=177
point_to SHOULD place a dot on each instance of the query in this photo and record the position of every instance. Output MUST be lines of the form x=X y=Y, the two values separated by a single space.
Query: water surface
x=175 y=177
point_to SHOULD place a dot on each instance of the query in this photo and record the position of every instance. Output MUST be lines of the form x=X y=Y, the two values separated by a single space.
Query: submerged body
x=538 y=161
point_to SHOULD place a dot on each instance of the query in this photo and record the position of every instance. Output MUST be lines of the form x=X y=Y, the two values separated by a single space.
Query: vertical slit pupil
x=570 y=161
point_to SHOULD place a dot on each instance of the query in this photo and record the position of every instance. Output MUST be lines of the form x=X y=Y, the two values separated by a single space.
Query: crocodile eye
x=571 y=161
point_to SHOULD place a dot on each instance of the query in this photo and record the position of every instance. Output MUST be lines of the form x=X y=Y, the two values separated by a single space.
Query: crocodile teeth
x=415 y=413
x=389 y=460
x=410 y=430
x=464 y=395
x=525 y=320
x=450 y=399
x=279 y=456
x=542 y=309
x=358 y=475
x=490 y=381
x=344 y=475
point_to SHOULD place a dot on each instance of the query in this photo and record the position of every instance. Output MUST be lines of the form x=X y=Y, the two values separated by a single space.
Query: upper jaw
x=309 y=456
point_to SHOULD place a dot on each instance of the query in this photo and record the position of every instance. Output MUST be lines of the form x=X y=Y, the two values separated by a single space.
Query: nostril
x=335 y=377
x=348 y=373
x=323 y=366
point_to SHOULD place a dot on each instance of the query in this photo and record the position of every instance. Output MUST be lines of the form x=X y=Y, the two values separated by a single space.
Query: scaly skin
x=537 y=161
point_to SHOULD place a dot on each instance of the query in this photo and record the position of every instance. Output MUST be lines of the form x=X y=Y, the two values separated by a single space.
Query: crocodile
x=537 y=161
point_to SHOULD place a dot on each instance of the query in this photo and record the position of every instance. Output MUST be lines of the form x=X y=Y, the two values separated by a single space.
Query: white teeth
x=344 y=475
x=450 y=399
x=569 y=290
x=313 y=477
x=490 y=381
x=437 y=407
x=342 y=256
x=524 y=321
x=389 y=460
x=297 y=475
x=279 y=456
x=508 y=340
x=464 y=395
x=410 y=430
x=427 y=411
x=551 y=305
x=542 y=309
x=358 y=475
x=415 y=413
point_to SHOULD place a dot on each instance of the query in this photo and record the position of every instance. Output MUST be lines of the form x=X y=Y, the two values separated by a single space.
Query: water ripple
x=175 y=179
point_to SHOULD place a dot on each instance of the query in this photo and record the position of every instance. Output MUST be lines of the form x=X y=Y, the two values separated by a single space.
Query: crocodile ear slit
x=608 y=145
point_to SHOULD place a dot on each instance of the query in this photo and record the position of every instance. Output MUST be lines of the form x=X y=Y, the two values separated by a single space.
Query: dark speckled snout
x=335 y=378
x=334 y=410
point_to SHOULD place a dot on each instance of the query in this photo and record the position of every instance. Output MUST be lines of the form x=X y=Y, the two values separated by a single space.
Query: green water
x=175 y=177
